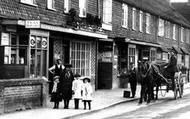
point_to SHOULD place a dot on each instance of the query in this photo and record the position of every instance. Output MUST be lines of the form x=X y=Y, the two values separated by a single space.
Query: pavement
x=102 y=99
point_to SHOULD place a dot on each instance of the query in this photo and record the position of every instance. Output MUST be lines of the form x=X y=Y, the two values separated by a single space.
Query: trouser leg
x=89 y=105
x=84 y=104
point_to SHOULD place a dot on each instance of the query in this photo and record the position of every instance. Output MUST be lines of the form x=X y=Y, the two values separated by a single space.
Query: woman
x=66 y=85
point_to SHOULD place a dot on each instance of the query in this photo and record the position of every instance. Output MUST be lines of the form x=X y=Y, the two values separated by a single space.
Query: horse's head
x=143 y=66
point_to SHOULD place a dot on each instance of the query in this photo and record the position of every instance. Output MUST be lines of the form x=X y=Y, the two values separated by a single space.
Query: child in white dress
x=77 y=90
x=87 y=92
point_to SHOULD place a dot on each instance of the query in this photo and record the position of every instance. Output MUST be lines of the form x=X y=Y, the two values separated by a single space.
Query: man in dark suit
x=171 y=68
x=132 y=79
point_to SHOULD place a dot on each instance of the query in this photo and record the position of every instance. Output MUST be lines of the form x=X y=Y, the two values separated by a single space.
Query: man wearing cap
x=66 y=85
x=171 y=68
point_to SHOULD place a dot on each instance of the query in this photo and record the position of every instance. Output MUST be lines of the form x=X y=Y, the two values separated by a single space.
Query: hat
x=68 y=65
x=77 y=75
x=88 y=79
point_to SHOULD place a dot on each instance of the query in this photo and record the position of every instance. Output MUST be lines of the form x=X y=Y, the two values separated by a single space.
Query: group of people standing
x=67 y=85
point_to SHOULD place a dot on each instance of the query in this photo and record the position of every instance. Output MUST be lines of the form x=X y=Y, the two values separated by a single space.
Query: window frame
x=141 y=21
x=66 y=6
x=148 y=23
x=125 y=15
x=82 y=8
x=17 y=48
x=131 y=54
x=31 y=2
x=52 y=5
x=182 y=34
x=174 y=31
x=161 y=29
x=134 y=16
x=80 y=51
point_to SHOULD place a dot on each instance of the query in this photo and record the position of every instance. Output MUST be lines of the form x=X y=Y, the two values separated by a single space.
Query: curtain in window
x=161 y=27
x=124 y=15
x=107 y=11
x=82 y=8
x=66 y=6
x=80 y=58
x=141 y=21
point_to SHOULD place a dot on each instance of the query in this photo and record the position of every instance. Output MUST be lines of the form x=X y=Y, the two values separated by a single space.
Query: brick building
x=145 y=29
x=100 y=38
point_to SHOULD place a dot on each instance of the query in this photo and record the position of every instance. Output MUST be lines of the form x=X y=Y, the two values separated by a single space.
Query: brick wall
x=15 y=9
x=22 y=94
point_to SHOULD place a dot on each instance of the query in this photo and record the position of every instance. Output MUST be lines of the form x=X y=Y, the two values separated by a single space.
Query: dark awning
x=164 y=49
x=177 y=50
x=184 y=51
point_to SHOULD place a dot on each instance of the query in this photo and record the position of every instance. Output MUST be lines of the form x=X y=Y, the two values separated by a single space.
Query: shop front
x=23 y=61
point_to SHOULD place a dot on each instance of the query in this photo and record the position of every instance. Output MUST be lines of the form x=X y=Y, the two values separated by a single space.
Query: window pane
x=38 y=67
x=32 y=63
x=38 y=40
x=23 y=40
x=22 y=55
x=44 y=64
x=13 y=39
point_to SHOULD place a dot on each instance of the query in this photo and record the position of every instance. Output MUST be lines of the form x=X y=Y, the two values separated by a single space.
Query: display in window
x=38 y=40
x=32 y=42
x=44 y=43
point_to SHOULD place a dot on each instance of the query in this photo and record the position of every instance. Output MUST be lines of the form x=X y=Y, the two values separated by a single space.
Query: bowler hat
x=77 y=75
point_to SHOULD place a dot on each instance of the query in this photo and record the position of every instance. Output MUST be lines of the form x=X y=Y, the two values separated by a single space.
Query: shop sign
x=4 y=39
x=32 y=42
x=32 y=24
x=106 y=57
x=44 y=43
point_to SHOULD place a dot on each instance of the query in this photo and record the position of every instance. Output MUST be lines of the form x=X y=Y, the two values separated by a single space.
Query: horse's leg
x=157 y=88
x=141 y=95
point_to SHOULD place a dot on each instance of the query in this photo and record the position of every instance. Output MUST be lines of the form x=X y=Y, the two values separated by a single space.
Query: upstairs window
x=148 y=24
x=161 y=27
x=30 y=2
x=66 y=6
x=168 y=29
x=124 y=16
x=82 y=8
x=134 y=18
x=51 y=4
x=187 y=36
x=107 y=11
x=174 y=32
x=182 y=34
x=141 y=21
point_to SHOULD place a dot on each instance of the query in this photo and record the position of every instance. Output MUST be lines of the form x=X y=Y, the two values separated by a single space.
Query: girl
x=87 y=92
x=56 y=95
x=77 y=89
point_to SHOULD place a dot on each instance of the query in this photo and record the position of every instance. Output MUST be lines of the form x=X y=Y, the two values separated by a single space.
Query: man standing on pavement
x=132 y=79
x=171 y=68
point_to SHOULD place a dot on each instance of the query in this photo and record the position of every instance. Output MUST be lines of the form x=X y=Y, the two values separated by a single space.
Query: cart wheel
x=175 y=92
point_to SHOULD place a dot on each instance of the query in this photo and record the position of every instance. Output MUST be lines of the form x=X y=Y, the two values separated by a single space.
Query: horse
x=150 y=77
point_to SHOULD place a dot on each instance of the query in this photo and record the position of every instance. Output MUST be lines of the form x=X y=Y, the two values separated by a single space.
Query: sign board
x=32 y=24
x=4 y=39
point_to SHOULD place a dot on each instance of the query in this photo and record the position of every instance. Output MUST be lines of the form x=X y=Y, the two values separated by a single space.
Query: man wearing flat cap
x=67 y=79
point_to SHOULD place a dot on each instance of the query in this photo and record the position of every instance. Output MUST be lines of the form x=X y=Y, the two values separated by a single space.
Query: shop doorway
x=105 y=65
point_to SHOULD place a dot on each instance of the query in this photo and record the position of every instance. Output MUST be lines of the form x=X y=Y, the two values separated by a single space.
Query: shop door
x=104 y=75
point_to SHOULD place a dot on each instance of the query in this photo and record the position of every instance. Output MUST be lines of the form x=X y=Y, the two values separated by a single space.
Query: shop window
x=131 y=55
x=38 y=56
x=183 y=59
x=152 y=55
x=80 y=58
x=15 y=48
